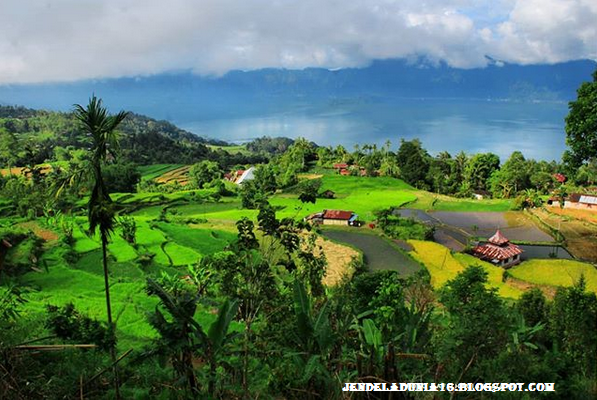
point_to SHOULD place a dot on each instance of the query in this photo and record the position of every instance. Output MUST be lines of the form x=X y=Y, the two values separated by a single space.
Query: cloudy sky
x=64 y=40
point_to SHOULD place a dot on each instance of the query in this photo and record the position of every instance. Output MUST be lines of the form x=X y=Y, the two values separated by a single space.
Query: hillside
x=39 y=136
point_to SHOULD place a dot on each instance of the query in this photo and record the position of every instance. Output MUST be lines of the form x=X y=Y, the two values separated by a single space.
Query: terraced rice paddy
x=444 y=266
x=179 y=175
x=581 y=236
x=556 y=273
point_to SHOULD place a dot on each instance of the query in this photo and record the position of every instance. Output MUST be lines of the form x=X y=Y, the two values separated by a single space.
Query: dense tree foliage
x=204 y=173
x=121 y=177
x=268 y=145
x=413 y=162
x=581 y=124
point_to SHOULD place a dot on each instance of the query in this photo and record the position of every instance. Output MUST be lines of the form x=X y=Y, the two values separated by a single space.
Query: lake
x=501 y=127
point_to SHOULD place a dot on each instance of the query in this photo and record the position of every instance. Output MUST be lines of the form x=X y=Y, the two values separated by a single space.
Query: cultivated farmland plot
x=514 y=225
x=379 y=254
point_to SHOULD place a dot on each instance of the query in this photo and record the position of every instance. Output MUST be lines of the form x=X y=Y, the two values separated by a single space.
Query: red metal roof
x=498 y=238
x=337 y=214
x=341 y=165
x=491 y=251
x=560 y=177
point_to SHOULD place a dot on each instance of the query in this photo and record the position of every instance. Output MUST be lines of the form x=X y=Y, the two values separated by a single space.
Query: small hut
x=334 y=217
x=499 y=251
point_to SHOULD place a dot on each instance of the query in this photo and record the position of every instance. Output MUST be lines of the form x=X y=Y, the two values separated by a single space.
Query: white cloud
x=57 y=40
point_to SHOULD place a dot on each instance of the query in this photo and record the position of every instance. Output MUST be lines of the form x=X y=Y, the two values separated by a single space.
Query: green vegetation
x=218 y=291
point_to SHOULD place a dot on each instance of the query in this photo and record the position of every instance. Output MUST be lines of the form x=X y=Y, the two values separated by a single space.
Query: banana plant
x=313 y=338
x=183 y=339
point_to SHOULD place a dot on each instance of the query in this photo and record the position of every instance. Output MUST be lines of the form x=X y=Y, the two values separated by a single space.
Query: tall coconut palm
x=101 y=129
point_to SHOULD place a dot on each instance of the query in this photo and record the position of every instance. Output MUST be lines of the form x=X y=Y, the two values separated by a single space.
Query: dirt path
x=43 y=233
x=548 y=291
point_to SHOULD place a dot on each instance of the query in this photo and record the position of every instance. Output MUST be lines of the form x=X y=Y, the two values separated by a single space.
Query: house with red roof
x=499 y=251
x=334 y=217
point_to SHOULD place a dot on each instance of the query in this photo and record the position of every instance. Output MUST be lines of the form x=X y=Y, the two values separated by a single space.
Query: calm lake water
x=536 y=129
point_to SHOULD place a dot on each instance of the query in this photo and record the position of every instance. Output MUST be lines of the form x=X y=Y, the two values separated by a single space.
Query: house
x=499 y=251
x=481 y=194
x=340 y=166
x=328 y=194
x=246 y=175
x=576 y=201
x=334 y=217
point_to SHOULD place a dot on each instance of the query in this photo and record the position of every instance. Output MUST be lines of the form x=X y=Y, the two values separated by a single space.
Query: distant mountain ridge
x=182 y=96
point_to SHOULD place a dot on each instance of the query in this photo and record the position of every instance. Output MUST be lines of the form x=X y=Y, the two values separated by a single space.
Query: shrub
x=129 y=228
x=69 y=324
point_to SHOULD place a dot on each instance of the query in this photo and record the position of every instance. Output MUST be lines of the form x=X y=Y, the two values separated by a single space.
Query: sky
x=69 y=40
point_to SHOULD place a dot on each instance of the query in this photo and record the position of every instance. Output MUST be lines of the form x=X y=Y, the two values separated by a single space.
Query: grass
x=444 y=266
x=556 y=273
x=432 y=202
x=231 y=149
x=361 y=195
x=181 y=255
x=204 y=241
x=437 y=259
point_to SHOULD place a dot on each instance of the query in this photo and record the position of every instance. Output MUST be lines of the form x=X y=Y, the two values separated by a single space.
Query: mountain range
x=182 y=96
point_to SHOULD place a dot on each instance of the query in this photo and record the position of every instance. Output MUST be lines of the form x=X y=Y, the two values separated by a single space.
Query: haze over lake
x=501 y=127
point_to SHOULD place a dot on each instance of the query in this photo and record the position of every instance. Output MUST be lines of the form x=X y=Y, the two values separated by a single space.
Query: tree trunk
x=109 y=312
x=245 y=383
x=212 y=375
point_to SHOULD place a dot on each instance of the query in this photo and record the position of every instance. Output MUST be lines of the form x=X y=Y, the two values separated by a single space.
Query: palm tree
x=101 y=129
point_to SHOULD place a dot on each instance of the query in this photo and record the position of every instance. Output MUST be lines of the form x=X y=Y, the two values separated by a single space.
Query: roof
x=314 y=216
x=494 y=252
x=574 y=197
x=588 y=199
x=246 y=176
x=560 y=177
x=341 y=165
x=337 y=214
x=498 y=238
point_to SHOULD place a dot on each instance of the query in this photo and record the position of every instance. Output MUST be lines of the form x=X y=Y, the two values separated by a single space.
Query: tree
x=478 y=170
x=308 y=190
x=204 y=172
x=101 y=128
x=532 y=306
x=477 y=325
x=251 y=196
x=8 y=148
x=265 y=178
x=121 y=177
x=581 y=124
x=573 y=321
x=413 y=162
x=512 y=177
x=440 y=173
